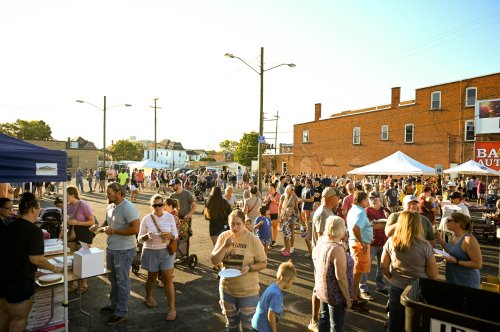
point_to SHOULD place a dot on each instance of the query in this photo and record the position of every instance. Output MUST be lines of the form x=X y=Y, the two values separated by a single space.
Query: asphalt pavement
x=197 y=295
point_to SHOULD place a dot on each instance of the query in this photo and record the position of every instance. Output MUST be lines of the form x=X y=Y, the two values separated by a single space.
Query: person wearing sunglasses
x=157 y=229
x=21 y=253
x=462 y=267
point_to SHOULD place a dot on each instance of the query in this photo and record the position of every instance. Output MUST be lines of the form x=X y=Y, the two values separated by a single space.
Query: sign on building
x=487 y=115
x=488 y=154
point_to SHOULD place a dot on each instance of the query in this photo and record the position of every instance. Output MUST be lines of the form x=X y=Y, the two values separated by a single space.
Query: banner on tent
x=488 y=154
x=46 y=169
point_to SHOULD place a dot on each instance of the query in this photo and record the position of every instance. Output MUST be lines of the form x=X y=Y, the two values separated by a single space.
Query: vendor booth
x=24 y=162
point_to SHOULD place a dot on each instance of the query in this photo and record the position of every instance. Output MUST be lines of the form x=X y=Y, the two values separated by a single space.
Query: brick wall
x=438 y=134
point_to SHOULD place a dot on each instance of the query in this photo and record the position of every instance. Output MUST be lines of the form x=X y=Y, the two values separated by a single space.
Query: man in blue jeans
x=122 y=225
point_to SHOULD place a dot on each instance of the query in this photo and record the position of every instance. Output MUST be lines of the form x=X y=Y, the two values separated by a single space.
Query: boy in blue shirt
x=270 y=307
x=262 y=227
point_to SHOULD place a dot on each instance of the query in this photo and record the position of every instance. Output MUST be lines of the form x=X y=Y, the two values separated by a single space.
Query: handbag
x=71 y=230
x=172 y=245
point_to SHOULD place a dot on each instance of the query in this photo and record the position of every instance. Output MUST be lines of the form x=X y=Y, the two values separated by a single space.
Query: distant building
x=445 y=125
x=81 y=153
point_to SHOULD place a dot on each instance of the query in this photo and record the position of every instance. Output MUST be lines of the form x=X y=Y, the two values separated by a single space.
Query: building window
x=384 y=133
x=469 y=130
x=409 y=133
x=283 y=167
x=179 y=154
x=305 y=136
x=436 y=100
x=356 y=135
x=470 y=97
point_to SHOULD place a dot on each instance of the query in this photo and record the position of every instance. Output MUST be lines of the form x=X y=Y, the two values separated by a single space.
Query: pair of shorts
x=216 y=229
x=362 y=260
x=273 y=216
x=266 y=242
x=292 y=220
x=154 y=260
x=17 y=294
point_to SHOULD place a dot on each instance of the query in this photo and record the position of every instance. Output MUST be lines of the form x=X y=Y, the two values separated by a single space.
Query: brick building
x=436 y=128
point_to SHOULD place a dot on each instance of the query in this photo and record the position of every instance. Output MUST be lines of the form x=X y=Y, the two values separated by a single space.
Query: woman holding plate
x=157 y=230
x=239 y=249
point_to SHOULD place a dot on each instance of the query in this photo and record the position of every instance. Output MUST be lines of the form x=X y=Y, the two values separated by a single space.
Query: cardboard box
x=88 y=263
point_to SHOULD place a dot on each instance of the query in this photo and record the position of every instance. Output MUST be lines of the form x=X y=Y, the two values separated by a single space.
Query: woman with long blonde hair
x=288 y=206
x=406 y=256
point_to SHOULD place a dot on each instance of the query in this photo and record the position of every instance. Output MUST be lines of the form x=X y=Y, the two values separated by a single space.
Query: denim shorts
x=154 y=260
x=266 y=242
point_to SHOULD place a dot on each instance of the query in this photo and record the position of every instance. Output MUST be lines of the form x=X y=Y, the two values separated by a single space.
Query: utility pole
x=154 y=146
x=275 y=118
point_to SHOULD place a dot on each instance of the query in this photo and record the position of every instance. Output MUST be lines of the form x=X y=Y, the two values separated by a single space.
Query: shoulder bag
x=172 y=245
x=71 y=230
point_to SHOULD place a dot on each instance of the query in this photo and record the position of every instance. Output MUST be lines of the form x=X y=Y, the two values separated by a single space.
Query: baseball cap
x=175 y=181
x=454 y=195
x=329 y=192
x=373 y=195
x=409 y=198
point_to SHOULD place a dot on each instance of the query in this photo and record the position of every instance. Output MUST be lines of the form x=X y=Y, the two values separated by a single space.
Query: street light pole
x=261 y=115
x=104 y=124
x=104 y=136
x=261 y=121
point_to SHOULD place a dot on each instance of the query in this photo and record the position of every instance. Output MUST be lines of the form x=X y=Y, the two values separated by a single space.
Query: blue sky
x=348 y=55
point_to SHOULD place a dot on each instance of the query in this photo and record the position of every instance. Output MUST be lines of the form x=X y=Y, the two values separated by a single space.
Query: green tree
x=36 y=130
x=127 y=150
x=247 y=149
x=228 y=146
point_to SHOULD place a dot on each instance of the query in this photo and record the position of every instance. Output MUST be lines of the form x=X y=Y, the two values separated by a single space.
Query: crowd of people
x=345 y=224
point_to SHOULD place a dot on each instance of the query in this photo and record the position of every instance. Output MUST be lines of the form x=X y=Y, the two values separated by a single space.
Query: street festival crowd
x=345 y=223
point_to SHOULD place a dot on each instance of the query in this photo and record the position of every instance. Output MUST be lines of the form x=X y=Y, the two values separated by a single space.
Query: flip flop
x=171 y=316
x=151 y=303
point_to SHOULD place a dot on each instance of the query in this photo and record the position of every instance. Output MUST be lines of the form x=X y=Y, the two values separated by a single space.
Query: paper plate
x=50 y=277
x=45 y=271
x=230 y=273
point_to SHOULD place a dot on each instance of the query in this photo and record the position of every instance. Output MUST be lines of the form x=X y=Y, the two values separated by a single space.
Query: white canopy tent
x=148 y=163
x=472 y=167
x=397 y=163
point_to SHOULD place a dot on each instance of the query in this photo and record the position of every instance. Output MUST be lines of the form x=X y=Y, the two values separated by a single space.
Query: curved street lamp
x=261 y=118
x=104 y=124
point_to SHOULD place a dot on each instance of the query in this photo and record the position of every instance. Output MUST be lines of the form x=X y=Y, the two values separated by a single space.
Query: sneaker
x=273 y=244
x=286 y=253
x=313 y=326
x=384 y=292
x=292 y=250
x=115 y=320
x=282 y=249
x=359 y=307
x=304 y=235
x=366 y=295
x=106 y=310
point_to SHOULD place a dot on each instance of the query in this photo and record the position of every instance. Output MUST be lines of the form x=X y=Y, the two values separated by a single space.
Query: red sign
x=488 y=154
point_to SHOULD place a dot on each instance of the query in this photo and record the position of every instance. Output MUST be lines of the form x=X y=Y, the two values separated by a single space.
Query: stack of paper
x=59 y=260
x=53 y=246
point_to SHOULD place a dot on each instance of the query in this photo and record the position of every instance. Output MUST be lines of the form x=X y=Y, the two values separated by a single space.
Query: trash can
x=432 y=305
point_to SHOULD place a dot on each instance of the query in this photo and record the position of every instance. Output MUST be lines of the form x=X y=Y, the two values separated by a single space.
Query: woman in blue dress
x=462 y=267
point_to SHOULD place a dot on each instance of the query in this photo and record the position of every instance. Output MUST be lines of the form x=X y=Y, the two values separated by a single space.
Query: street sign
x=262 y=139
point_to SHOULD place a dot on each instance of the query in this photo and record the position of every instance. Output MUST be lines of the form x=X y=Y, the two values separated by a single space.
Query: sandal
x=171 y=316
x=151 y=303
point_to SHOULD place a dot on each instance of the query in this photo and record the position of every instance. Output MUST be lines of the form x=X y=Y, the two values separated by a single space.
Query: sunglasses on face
x=157 y=205
x=448 y=220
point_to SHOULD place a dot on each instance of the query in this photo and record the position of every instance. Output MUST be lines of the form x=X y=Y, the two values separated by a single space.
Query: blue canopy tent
x=25 y=162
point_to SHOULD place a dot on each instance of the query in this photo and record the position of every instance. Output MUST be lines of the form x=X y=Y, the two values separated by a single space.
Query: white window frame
x=356 y=135
x=305 y=136
x=384 y=130
x=433 y=93
x=465 y=131
x=467 y=104
x=412 y=133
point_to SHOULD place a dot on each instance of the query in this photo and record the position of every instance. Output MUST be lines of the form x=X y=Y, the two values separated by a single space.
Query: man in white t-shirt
x=454 y=205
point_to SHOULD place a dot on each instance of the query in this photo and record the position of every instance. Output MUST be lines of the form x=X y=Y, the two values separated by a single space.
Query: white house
x=170 y=153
